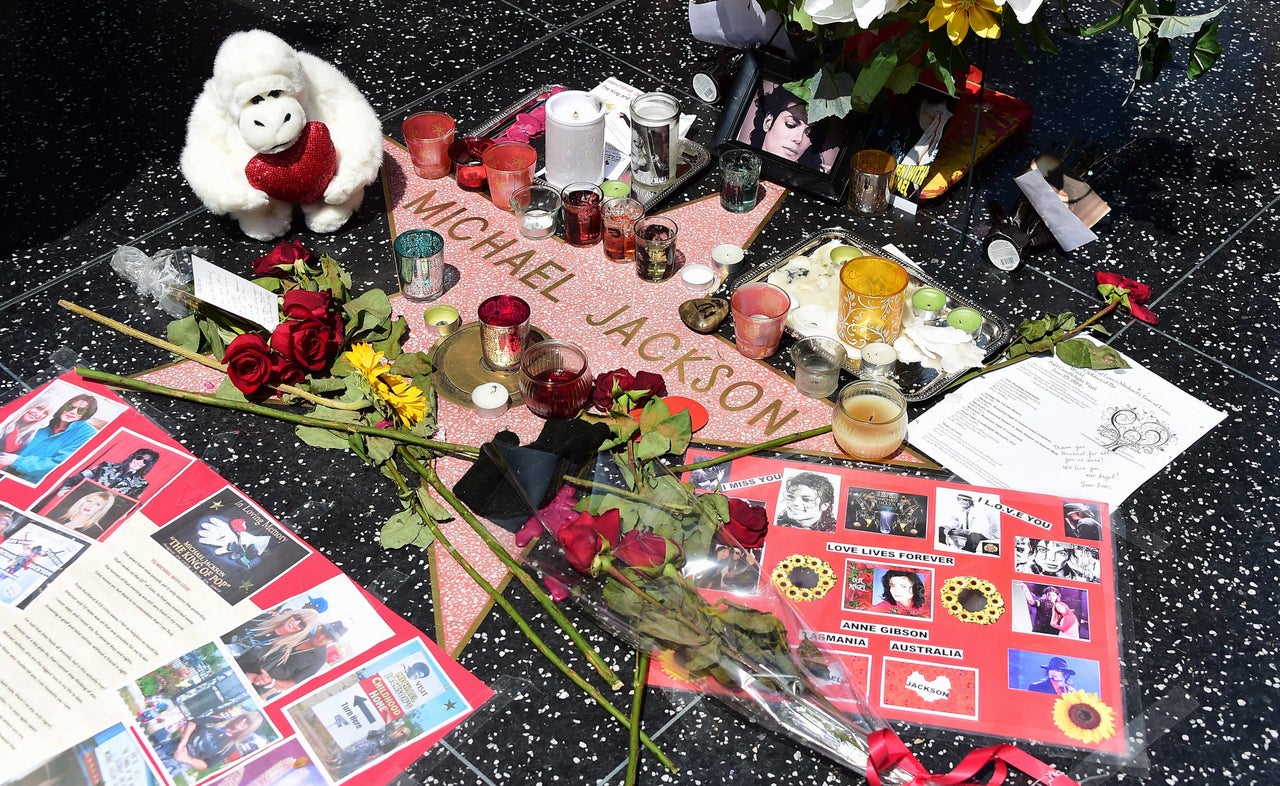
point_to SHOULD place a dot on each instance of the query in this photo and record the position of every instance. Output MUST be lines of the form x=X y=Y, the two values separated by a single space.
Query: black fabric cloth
x=487 y=488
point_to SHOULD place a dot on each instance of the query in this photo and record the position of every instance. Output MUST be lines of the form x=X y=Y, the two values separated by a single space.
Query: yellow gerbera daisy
x=1083 y=716
x=367 y=360
x=960 y=15
x=408 y=401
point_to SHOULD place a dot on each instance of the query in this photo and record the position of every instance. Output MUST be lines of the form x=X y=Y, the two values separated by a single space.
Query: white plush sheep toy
x=276 y=127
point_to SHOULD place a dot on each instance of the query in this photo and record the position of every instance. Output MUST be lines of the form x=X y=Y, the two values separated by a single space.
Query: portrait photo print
x=777 y=122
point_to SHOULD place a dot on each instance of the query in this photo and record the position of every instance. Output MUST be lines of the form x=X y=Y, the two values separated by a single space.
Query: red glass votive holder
x=504 y=332
x=467 y=153
x=555 y=380
x=582 y=221
x=759 y=315
x=428 y=136
x=508 y=166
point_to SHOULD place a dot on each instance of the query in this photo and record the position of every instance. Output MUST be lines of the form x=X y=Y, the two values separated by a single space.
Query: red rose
x=747 y=525
x=238 y=525
x=627 y=390
x=283 y=260
x=646 y=550
x=284 y=371
x=581 y=545
x=1133 y=295
x=587 y=536
x=302 y=303
x=308 y=343
x=249 y=365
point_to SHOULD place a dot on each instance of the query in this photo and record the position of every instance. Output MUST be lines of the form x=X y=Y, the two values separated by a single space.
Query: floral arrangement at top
x=883 y=45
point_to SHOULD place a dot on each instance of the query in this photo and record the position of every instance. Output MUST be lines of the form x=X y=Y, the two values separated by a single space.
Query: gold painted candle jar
x=872 y=293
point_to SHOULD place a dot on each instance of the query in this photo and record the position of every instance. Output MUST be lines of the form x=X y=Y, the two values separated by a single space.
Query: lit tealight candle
x=870 y=419
x=490 y=400
x=879 y=359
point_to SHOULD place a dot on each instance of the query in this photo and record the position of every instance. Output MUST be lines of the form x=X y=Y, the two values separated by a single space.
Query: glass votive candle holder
x=537 y=209
x=739 y=180
x=420 y=264
x=467 y=153
x=818 y=362
x=428 y=136
x=870 y=176
x=555 y=380
x=508 y=166
x=618 y=216
x=872 y=294
x=870 y=419
x=759 y=314
x=582 y=221
x=655 y=248
x=504 y=332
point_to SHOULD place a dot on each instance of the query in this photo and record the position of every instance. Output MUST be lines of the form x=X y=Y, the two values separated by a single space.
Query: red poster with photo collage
x=977 y=609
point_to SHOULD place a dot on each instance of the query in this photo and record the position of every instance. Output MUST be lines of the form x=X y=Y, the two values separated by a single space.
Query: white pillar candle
x=575 y=138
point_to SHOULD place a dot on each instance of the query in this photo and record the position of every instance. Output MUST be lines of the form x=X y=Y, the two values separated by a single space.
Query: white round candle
x=697 y=277
x=727 y=254
x=490 y=399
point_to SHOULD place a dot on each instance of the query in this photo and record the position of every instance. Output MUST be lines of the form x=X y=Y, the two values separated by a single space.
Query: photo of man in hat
x=1081 y=521
x=970 y=518
x=1057 y=677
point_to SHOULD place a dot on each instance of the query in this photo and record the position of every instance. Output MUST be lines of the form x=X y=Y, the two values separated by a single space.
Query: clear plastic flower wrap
x=653 y=562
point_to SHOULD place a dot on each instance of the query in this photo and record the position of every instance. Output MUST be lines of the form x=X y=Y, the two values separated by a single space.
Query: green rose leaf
x=322 y=437
x=1175 y=26
x=379 y=449
x=1205 y=50
x=434 y=508
x=874 y=75
x=185 y=333
x=403 y=529
x=1074 y=352
x=831 y=95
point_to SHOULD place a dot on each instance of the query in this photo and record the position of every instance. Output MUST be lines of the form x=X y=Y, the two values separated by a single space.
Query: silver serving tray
x=917 y=383
x=693 y=157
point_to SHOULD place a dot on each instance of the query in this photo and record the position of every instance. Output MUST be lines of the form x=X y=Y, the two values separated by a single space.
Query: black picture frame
x=753 y=106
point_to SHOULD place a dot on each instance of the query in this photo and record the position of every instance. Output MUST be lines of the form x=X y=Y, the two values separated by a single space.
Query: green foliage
x=1205 y=50
x=404 y=529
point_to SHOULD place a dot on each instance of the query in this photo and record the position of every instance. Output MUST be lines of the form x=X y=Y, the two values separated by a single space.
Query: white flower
x=1023 y=9
x=829 y=12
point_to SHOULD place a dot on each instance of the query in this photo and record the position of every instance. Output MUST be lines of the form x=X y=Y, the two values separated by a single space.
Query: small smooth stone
x=704 y=314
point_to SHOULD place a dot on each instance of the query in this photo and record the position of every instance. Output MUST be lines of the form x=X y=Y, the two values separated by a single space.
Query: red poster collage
x=977 y=609
x=158 y=625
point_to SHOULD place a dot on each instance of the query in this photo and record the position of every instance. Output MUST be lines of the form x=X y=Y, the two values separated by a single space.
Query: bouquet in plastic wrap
x=645 y=554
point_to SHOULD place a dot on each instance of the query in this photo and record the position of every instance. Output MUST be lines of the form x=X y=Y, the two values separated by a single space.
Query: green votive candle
x=965 y=319
x=928 y=299
x=612 y=189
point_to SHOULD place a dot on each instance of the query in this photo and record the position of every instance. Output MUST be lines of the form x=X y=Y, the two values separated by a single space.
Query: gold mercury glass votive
x=872 y=293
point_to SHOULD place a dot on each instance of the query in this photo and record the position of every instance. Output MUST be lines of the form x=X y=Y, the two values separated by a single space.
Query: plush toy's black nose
x=259 y=123
x=287 y=116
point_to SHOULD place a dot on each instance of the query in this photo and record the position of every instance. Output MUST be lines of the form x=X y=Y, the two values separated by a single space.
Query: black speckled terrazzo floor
x=94 y=114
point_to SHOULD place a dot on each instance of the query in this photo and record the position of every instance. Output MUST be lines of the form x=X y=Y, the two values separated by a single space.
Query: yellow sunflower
x=409 y=402
x=971 y=599
x=982 y=16
x=803 y=577
x=1083 y=716
x=367 y=360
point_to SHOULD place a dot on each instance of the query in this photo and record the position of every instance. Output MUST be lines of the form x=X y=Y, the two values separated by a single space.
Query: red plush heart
x=299 y=174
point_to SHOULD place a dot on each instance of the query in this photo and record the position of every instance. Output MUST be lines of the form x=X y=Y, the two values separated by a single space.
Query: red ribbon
x=888 y=751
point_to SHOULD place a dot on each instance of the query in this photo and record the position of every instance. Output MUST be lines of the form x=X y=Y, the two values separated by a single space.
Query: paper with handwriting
x=234 y=294
x=1043 y=426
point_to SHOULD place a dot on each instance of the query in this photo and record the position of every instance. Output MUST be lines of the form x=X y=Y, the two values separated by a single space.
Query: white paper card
x=233 y=294
x=1043 y=426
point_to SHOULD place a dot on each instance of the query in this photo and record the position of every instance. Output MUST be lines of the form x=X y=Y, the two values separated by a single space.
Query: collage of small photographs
x=946 y=601
x=316 y=684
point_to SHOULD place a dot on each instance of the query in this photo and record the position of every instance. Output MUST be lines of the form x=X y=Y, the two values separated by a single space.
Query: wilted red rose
x=747 y=525
x=646 y=550
x=284 y=371
x=283 y=260
x=249 y=365
x=308 y=343
x=631 y=390
x=1132 y=294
